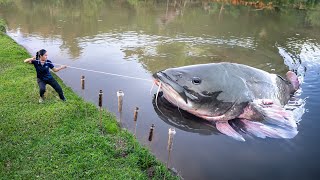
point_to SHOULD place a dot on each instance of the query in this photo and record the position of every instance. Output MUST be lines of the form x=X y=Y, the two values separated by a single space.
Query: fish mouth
x=161 y=77
x=177 y=95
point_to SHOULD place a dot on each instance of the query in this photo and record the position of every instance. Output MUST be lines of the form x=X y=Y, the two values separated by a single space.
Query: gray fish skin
x=223 y=91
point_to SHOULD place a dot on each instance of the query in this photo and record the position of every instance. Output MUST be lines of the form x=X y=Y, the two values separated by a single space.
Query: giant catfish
x=220 y=92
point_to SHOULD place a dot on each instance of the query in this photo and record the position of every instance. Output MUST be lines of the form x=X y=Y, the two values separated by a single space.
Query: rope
x=112 y=74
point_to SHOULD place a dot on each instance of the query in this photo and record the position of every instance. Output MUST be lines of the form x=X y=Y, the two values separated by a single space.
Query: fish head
x=188 y=87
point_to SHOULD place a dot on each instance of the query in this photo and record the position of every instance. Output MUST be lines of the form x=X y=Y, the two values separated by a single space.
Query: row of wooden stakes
x=120 y=95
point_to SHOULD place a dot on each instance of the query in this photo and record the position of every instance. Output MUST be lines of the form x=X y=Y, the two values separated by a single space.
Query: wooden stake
x=135 y=118
x=100 y=105
x=151 y=133
x=82 y=82
x=83 y=92
x=150 y=139
x=171 y=133
x=120 y=95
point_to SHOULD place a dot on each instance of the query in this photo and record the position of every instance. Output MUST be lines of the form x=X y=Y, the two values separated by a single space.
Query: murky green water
x=138 y=39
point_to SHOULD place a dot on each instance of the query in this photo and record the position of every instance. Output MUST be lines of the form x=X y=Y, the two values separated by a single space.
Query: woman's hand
x=29 y=60
x=63 y=67
x=59 y=68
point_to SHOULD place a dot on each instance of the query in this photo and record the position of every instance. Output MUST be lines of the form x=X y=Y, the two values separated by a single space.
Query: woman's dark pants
x=53 y=83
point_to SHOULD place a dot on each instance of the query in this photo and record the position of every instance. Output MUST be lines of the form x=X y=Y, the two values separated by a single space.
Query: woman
x=42 y=65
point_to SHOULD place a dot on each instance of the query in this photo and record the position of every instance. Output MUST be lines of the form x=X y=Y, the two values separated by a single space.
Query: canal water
x=138 y=38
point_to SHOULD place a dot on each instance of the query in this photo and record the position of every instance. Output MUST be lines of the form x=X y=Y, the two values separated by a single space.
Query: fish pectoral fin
x=225 y=128
x=263 y=130
x=275 y=114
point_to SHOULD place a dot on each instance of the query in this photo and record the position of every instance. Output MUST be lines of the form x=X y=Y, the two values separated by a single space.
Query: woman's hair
x=40 y=53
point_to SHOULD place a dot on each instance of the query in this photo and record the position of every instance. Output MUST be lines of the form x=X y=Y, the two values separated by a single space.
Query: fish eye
x=196 y=81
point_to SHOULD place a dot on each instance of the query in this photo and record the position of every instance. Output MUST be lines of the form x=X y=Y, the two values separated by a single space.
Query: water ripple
x=148 y=44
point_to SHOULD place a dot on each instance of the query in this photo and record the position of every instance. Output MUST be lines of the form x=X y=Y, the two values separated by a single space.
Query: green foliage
x=2 y=26
x=134 y=2
x=58 y=140
x=313 y=16
x=5 y=2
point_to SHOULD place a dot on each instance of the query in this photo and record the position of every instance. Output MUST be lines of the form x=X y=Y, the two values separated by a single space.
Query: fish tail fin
x=225 y=128
x=263 y=130
x=293 y=78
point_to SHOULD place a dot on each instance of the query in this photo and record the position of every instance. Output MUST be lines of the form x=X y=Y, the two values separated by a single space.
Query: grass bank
x=56 y=140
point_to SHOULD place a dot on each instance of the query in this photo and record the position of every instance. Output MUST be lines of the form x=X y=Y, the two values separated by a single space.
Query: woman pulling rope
x=42 y=65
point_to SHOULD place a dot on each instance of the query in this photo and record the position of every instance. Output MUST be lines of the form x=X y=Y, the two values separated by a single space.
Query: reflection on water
x=181 y=119
x=138 y=38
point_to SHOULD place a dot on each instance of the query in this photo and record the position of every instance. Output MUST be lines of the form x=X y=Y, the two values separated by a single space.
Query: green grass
x=57 y=140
